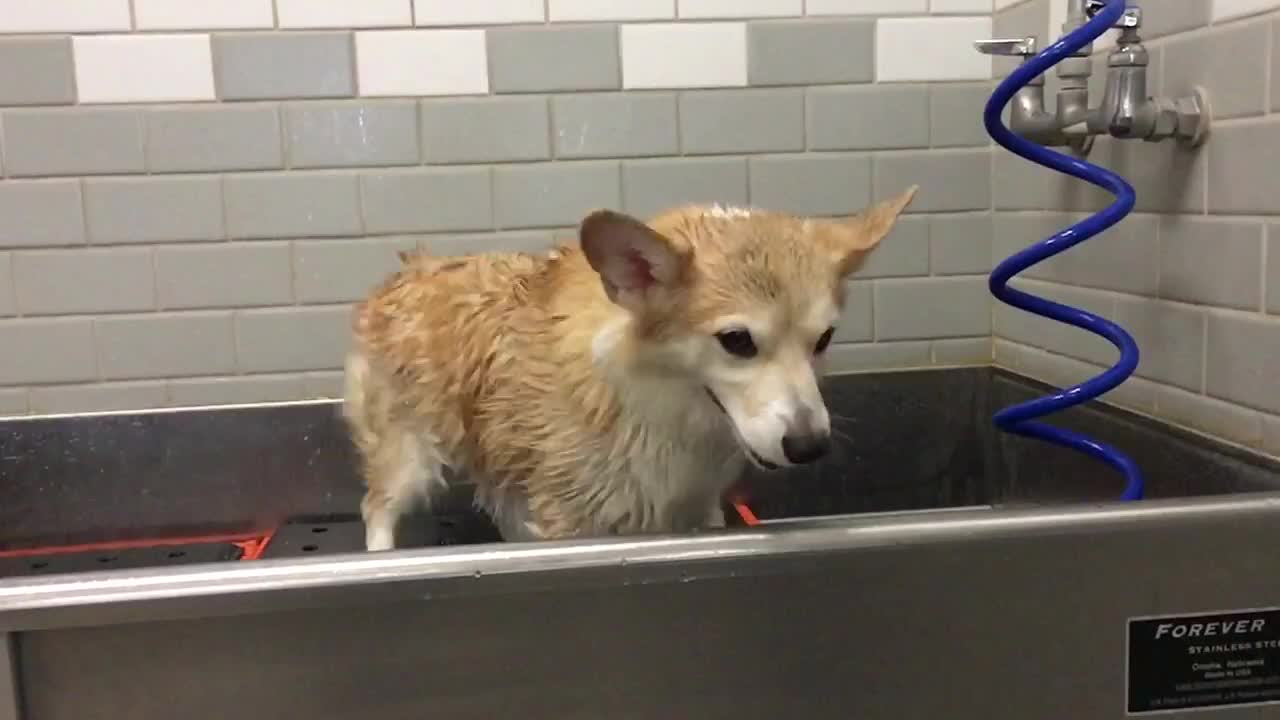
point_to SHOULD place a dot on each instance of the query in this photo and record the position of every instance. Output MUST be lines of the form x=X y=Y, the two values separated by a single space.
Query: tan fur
x=576 y=413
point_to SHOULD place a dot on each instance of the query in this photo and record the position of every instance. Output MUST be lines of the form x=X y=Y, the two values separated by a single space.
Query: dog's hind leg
x=404 y=471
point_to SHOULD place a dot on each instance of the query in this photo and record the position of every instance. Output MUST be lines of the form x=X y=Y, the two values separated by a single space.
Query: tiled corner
x=807 y=52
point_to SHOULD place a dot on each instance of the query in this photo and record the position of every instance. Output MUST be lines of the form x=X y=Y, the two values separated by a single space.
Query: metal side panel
x=9 y=700
x=982 y=616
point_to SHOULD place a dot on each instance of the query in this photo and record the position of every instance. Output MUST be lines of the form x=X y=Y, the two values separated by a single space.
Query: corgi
x=614 y=387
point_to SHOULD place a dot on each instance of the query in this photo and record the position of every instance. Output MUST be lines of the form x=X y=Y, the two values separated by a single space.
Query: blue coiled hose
x=1022 y=419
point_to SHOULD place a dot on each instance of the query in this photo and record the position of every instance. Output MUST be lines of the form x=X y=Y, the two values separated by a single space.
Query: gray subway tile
x=846 y=358
x=1270 y=434
x=825 y=184
x=870 y=117
x=1166 y=176
x=1023 y=327
x=330 y=271
x=46 y=350
x=256 y=66
x=290 y=339
x=1123 y=258
x=227 y=137
x=72 y=141
x=1273 y=268
x=203 y=392
x=1275 y=66
x=276 y=205
x=960 y=244
x=493 y=129
x=1170 y=337
x=1242 y=168
x=13 y=401
x=1021 y=20
x=741 y=121
x=351 y=133
x=83 y=280
x=804 y=52
x=555 y=194
x=165 y=345
x=1012 y=232
x=475 y=243
x=325 y=385
x=427 y=200
x=962 y=351
x=1211 y=261
x=1222 y=419
x=856 y=323
x=1020 y=185
x=1174 y=16
x=955 y=114
x=98 y=397
x=949 y=180
x=932 y=308
x=595 y=125
x=1244 y=360
x=652 y=186
x=223 y=275
x=546 y=59
x=36 y=71
x=153 y=209
x=8 y=303
x=41 y=213
x=1225 y=61
x=903 y=253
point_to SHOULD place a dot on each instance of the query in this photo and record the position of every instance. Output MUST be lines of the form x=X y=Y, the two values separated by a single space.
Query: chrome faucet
x=1126 y=110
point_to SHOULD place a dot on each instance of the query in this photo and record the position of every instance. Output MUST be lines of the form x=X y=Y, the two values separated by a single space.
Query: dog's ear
x=860 y=235
x=633 y=260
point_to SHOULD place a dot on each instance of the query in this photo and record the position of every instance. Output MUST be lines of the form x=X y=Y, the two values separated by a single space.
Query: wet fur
x=576 y=405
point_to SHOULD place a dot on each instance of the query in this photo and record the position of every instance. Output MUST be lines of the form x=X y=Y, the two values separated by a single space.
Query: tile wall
x=1194 y=274
x=194 y=192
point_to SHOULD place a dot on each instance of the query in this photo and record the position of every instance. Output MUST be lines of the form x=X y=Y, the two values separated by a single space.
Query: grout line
x=1266 y=250
x=1204 y=354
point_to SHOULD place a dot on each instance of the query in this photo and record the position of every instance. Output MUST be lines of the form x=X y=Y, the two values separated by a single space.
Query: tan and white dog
x=612 y=388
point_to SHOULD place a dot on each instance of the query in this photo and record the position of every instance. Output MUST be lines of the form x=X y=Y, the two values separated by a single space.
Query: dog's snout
x=805 y=448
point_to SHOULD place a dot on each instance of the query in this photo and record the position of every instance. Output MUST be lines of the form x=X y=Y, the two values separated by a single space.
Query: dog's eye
x=737 y=342
x=824 y=341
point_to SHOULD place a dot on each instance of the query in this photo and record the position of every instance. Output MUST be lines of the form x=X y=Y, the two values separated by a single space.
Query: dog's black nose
x=801 y=449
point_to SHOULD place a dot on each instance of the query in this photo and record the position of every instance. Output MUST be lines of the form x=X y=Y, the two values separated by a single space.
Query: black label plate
x=1203 y=661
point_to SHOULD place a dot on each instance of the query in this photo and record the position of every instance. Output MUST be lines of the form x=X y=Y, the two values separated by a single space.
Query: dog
x=615 y=387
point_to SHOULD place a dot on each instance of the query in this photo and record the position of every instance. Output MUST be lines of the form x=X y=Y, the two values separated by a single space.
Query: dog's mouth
x=751 y=454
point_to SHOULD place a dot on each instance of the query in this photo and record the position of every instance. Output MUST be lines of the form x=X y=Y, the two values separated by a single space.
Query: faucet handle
x=1017 y=47
x=1132 y=17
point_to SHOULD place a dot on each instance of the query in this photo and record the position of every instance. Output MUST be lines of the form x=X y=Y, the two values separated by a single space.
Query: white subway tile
x=202 y=14
x=1002 y=4
x=37 y=16
x=867 y=7
x=1227 y=9
x=672 y=55
x=344 y=13
x=477 y=12
x=959 y=7
x=589 y=10
x=702 y=9
x=938 y=48
x=422 y=62
x=143 y=68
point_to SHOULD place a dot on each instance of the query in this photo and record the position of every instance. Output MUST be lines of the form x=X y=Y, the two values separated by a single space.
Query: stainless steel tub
x=931 y=568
